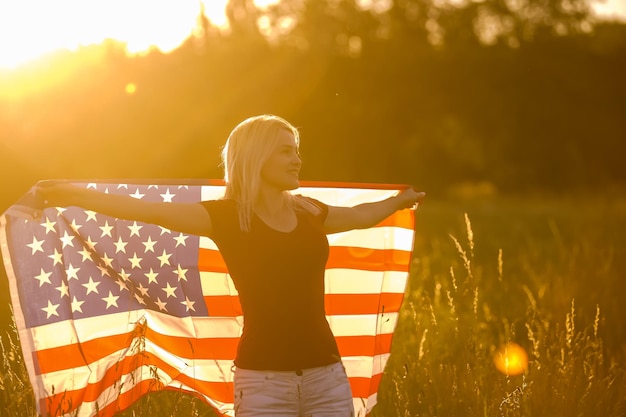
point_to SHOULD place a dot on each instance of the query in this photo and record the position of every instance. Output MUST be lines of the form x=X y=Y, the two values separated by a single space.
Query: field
x=545 y=274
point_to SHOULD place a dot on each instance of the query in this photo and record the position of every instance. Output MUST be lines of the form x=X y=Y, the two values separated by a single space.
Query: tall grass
x=545 y=275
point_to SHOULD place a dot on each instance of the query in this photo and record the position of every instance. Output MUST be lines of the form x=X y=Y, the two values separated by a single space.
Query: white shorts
x=314 y=392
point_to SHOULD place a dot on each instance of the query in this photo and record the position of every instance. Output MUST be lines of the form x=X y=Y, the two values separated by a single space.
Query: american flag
x=109 y=309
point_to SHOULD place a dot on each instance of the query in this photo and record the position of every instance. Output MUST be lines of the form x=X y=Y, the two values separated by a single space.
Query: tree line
x=522 y=96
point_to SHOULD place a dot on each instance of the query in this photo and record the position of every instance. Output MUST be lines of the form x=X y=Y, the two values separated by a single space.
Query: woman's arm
x=362 y=216
x=189 y=218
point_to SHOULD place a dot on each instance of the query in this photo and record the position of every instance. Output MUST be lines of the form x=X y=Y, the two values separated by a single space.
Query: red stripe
x=364 y=387
x=350 y=304
x=340 y=257
x=60 y=358
x=369 y=259
x=364 y=345
x=223 y=305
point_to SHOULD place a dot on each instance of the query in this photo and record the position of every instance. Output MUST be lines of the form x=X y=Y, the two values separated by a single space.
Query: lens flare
x=511 y=359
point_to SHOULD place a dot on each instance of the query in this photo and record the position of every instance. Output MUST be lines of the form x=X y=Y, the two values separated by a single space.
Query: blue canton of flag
x=83 y=264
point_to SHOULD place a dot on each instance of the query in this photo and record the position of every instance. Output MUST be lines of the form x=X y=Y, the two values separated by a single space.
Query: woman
x=275 y=247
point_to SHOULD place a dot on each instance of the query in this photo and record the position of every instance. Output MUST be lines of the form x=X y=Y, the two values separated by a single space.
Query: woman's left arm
x=362 y=216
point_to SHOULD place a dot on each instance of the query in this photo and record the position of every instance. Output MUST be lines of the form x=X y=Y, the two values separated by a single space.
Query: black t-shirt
x=280 y=280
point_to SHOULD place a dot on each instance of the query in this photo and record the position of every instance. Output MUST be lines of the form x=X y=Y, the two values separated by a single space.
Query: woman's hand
x=408 y=198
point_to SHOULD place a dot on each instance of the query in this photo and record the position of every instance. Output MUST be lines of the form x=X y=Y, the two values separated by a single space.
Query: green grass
x=545 y=274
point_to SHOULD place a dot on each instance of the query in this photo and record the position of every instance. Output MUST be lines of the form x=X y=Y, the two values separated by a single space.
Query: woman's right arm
x=191 y=218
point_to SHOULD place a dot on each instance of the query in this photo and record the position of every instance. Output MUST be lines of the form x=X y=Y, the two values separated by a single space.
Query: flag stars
x=164 y=258
x=169 y=291
x=57 y=257
x=76 y=305
x=120 y=245
x=106 y=229
x=85 y=254
x=151 y=276
x=161 y=304
x=63 y=289
x=149 y=244
x=36 y=245
x=51 y=310
x=180 y=239
x=71 y=272
x=122 y=285
x=142 y=290
x=49 y=225
x=91 y=215
x=182 y=273
x=137 y=194
x=134 y=229
x=135 y=261
x=91 y=286
x=111 y=300
x=43 y=277
x=139 y=299
x=188 y=304
x=75 y=227
x=90 y=244
x=167 y=197
x=66 y=240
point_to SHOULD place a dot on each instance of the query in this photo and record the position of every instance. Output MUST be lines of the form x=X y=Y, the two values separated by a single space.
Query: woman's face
x=282 y=167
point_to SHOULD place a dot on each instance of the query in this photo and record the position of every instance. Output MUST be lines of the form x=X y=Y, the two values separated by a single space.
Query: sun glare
x=32 y=28
x=511 y=359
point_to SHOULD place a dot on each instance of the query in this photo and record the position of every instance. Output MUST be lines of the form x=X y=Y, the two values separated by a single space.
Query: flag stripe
x=339 y=257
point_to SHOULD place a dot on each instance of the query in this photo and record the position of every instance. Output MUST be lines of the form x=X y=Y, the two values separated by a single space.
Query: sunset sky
x=26 y=35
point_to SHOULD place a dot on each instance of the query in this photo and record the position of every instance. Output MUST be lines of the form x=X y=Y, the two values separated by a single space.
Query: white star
x=165 y=258
x=92 y=185
x=36 y=245
x=91 y=286
x=106 y=229
x=161 y=304
x=164 y=231
x=120 y=186
x=188 y=304
x=142 y=290
x=134 y=229
x=76 y=305
x=75 y=227
x=43 y=277
x=86 y=254
x=124 y=275
x=49 y=225
x=180 y=239
x=103 y=270
x=71 y=272
x=91 y=215
x=90 y=244
x=108 y=262
x=182 y=273
x=111 y=300
x=156 y=187
x=63 y=289
x=169 y=291
x=149 y=244
x=151 y=276
x=120 y=245
x=51 y=310
x=139 y=299
x=167 y=197
x=67 y=240
x=122 y=285
x=135 y=262
x=57 y=257
x=137 y=195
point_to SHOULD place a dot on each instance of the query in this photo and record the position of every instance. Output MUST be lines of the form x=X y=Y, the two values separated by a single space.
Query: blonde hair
x=248 y=146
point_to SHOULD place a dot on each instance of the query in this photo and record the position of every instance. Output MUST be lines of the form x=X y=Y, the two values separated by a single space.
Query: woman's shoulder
x=311 y=205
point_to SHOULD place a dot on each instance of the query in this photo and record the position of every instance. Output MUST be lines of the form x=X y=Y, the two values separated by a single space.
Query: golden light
x=511 y=359
x=39 y=27
x=131 y=88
